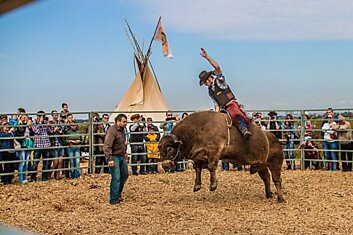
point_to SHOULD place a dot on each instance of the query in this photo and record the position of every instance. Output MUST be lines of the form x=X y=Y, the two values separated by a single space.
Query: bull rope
x=229 y=125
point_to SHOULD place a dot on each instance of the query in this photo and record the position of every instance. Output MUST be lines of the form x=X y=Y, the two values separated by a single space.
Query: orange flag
x=161 y=37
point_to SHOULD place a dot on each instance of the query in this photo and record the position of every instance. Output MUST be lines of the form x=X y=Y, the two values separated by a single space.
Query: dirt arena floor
x=317 y=202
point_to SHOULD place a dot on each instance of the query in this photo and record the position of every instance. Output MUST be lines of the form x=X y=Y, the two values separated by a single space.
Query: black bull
x=203 y=138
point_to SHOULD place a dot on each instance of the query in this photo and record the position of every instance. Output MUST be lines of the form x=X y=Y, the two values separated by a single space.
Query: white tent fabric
x=143 y=95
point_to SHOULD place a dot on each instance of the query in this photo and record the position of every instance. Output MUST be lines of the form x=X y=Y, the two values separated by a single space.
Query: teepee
x=144 y=95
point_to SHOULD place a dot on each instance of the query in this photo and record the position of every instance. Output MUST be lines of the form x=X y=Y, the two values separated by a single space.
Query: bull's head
x=169 y=149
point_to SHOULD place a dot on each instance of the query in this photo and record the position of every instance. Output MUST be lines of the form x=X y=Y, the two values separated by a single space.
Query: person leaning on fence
x=152 y=137
x=64 y=111
x=115 y=152
x=73 y=141
x=289 y=135
x=42 y=142
x=138 y=150
x=346 y=142
x=168 y=124
x=311 y=152
x=66 y=119
x=330 y=144
x=9 y=154
x=58 y=142
x=273 y=125
x=23 y=130
x=100 y=129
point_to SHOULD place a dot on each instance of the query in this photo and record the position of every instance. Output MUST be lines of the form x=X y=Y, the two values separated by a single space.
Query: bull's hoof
x=197 y=188
x=269 y=195
x=213 y=187
x=280 y=199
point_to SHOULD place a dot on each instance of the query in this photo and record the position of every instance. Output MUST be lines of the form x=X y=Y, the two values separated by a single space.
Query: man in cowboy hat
x=138 y=150
x=273 y=125
x=222 y=95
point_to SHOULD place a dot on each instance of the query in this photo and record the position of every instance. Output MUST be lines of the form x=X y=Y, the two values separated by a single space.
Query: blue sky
x=274 y=54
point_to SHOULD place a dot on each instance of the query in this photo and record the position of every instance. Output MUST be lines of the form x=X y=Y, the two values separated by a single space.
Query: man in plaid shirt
x=41 y=140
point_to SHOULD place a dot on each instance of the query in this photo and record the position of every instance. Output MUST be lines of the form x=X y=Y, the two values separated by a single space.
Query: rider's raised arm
x=214 y=64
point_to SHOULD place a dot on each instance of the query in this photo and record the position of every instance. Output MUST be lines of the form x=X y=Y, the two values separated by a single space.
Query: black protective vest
x=221 y=96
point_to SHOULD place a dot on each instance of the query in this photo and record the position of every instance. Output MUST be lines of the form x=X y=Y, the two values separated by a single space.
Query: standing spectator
x=167 y=126
x=308 y=128
x=70 y=118
x=115 y=152
x=66 y=120
x=329 y=111
x=64 y=111
x=74 y=140
x=13 y=121
x=273 y=125
x=345 y=137
x=3 y=119
x=330 y=143
x=289 y=134
x=58 y=153
x=9 y=154
x=23 y=130
x=258 y=120
x=106 y=123
x=42 y=142
x=311 y=152
x=101 y=129
x=152 y=137
x=138 y=151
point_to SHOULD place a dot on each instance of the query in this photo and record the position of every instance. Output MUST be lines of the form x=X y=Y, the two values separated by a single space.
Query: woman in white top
x=330 y=144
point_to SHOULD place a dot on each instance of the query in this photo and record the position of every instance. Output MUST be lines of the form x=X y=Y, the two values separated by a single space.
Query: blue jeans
x=289 y=154
x=119 y=175
x=74 y=162
x=44 y=153
x=225 y=166
x=330 y=155
x=23 y=156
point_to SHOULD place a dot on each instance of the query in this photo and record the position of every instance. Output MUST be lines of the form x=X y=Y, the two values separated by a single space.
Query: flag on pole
x=161 y=37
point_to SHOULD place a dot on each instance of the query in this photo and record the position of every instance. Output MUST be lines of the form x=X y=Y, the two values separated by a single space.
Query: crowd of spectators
x=55 y=143
x=335 y=137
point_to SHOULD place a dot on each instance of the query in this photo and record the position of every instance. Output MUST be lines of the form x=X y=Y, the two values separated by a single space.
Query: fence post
x=90 y=141
x=302 y=135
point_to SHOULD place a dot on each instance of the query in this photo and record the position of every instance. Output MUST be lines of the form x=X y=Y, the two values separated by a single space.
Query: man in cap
x=222 y=95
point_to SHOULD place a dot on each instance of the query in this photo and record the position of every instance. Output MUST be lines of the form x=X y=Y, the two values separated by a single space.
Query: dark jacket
x=115 y=142
x=134 y=129
x=6 y=143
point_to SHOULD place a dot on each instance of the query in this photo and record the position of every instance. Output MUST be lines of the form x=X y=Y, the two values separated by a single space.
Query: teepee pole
x=154 y=34
x=132 y=45
x=136 y=42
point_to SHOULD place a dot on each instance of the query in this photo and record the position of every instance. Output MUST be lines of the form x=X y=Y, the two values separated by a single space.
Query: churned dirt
x=317 y=202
